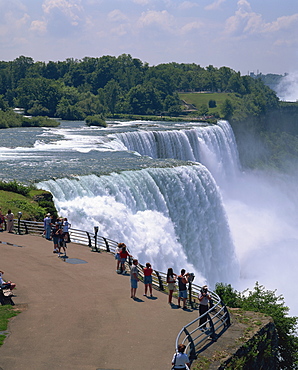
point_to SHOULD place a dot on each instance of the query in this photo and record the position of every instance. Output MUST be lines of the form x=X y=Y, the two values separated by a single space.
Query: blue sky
x=245 y=35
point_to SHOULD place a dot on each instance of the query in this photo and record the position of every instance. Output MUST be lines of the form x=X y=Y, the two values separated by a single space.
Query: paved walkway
x=80 y=316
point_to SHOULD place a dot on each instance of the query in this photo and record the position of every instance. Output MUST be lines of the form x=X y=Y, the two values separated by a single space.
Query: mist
x=263 y=218
x=287 y=90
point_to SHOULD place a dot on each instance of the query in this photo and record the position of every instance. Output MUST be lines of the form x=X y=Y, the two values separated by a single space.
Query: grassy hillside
x=33 y=206
x=198 y=99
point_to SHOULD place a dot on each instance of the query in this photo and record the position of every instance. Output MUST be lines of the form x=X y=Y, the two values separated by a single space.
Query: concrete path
x=80 y=316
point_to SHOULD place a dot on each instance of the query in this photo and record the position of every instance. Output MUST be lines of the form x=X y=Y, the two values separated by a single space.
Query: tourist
x=66 y=226
x=180 y=359
x=61 y=241
x=204 y=298
x=1 y=220
x=47 y=223
x=123 y=256
x=134 y=278
x=6 y=284
x=171 y=281
x=148 y=278
x=117 y=256
x=182 y=281
x=55 y=237
x=9 y=218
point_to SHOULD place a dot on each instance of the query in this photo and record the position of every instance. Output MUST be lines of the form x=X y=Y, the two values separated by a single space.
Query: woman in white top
x=9 y=218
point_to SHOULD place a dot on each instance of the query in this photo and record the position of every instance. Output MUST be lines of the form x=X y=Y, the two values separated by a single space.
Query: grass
x=6 y=312
x=199 y=99
x=33 y=206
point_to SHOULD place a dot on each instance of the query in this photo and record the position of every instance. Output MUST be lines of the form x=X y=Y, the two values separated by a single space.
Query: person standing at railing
x=1 y=220
x=56 y=237
x=66 y=225
x=117 y=256
x=182 y=281
x=134 y=278
x=180 y=359
x=47 y=222
x=204 y=298
x=148 y=278
x=171 y=281
x=9 y=217
x=123 y=256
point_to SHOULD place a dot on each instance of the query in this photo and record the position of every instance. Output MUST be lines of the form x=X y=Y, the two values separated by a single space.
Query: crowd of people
x=180 y=359
x=58 y=232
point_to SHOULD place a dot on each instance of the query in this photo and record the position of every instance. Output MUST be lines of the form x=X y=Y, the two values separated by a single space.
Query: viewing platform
x=77 y=312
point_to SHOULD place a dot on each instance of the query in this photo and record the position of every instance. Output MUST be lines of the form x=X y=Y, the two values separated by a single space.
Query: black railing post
x=89 y=240
x=26 y=227
x=19 y=222
x=95 y=249
x=226 y=311
x=213 y=335
x=107 y=244
x=160 y=282
x=192 y=354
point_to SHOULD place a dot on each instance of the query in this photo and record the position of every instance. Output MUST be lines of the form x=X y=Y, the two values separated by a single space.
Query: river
x=175 y=193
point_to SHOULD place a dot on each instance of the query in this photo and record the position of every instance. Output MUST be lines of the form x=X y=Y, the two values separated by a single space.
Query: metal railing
x=192 y=335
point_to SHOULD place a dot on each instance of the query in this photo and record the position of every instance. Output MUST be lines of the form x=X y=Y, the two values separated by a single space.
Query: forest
x=94 y=89
x=108 y=85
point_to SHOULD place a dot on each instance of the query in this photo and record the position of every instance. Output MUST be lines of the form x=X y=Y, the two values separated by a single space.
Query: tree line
x=108 y=85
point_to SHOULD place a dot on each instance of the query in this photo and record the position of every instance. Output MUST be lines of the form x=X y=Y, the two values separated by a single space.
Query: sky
x=245 y=35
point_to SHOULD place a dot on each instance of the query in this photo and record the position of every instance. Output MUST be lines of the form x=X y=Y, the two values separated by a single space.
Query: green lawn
x=6 y=312
x=199 y=99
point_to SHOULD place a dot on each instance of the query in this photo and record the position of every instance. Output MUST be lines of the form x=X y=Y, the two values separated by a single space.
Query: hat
x=48 y=214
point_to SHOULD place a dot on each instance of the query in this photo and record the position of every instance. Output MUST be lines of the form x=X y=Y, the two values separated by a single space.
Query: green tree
x=144 y=99
x=96 y=120
x=267 y=302
x=68 y=111
x=111 y=91
x=38 y=91
x=227 y=109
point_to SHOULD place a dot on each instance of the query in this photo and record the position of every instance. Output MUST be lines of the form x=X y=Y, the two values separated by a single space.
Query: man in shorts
x=134 y=279
x=182 y=281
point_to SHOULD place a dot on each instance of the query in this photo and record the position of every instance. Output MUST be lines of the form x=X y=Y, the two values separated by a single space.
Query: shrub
x=266 y=301
x=96 y=120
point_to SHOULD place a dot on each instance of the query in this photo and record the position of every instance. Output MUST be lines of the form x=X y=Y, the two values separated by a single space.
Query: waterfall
x=170 y=217
x=214 y=146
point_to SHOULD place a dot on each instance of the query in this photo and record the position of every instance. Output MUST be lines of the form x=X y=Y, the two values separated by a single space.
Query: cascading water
x=171 y=217
x=261 y=207
x=214 y=146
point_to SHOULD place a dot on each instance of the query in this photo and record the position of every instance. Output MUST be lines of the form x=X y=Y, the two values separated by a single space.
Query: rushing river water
x=174 y=193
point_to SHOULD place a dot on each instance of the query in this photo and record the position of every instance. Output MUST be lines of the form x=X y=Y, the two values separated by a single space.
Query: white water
x=159 y=214
x=213 y=146
x=171 y=217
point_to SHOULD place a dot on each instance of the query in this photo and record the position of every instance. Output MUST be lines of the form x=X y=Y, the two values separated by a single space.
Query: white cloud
x=245 y=22
x=141 y=2
x=215 y=5
x=189 y=27
x=282 y=23
x=152 y=17
x=38 y=26
x=116 y=16
x=121 y=30
x=69 y=8
x=188 y=5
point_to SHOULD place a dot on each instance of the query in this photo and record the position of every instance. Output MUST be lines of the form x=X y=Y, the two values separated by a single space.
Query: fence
x=193 y=335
